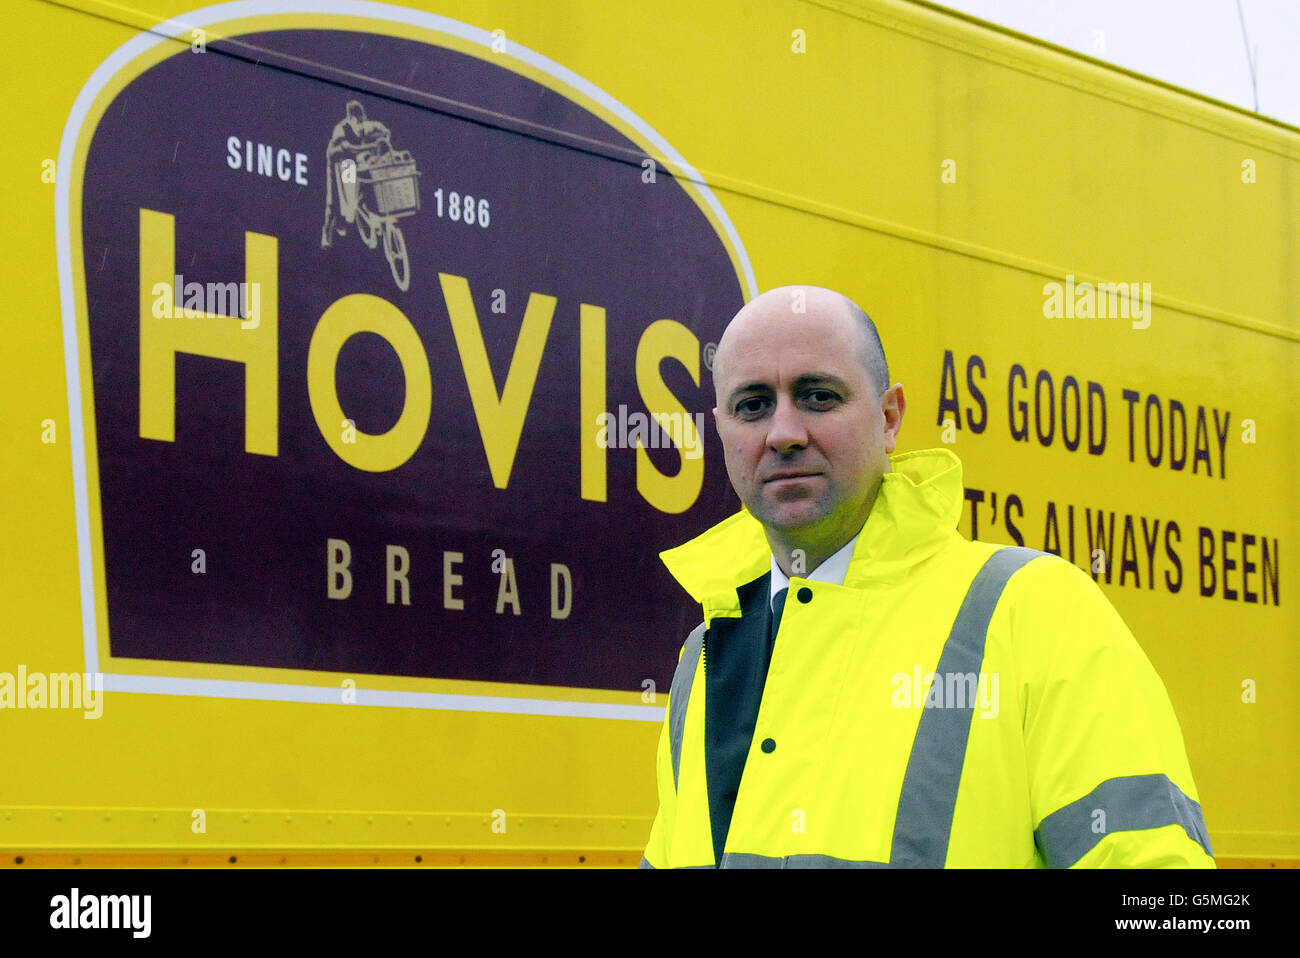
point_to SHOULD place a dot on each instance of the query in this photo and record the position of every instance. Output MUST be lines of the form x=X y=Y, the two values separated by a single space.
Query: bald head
x=806 y=416
x=792 y=303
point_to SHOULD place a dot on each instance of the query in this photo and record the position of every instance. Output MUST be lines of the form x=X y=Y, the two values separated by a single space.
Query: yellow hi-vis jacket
x=926 y=717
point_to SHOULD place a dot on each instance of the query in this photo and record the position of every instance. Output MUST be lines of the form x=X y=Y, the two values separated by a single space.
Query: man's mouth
x=790 y=475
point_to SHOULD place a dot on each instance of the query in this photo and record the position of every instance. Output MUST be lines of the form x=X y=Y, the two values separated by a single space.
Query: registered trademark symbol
x=709 y=350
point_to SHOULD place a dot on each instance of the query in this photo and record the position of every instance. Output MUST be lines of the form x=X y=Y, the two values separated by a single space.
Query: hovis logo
x=377 y=442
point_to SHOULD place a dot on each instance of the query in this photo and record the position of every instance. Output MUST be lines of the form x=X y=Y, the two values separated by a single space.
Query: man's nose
x=786 y=430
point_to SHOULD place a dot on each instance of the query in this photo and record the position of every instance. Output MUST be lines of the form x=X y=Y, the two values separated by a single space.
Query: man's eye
x=752 y=406
x=821 y=397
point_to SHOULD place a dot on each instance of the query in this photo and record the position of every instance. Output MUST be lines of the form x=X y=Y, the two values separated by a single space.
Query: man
x=351 y=135
x=920 y=700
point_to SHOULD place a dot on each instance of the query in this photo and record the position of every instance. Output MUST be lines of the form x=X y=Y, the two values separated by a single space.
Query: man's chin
x=791 y=517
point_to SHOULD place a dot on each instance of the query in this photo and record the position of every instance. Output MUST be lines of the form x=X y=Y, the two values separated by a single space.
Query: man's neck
x=805 y=560
x=807 y=552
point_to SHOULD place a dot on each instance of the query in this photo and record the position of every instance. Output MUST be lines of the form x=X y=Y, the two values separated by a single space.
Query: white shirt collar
x=832 y=570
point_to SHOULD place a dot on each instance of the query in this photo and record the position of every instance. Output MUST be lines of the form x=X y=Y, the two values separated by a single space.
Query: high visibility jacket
x=952 y=704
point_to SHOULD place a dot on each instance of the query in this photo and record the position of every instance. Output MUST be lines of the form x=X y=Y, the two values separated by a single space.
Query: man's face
x=805 y=432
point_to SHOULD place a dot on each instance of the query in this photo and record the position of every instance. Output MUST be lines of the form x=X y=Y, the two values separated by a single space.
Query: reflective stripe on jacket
x=952 y=704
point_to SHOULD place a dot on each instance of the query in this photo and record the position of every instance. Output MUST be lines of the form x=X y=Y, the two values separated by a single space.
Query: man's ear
x=892 y=404
x=715 y=415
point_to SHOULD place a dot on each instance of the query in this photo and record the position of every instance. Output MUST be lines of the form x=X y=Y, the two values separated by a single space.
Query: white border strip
x=330 y=695
x=163 y=33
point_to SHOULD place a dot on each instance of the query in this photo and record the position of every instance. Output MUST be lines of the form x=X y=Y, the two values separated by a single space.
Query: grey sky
x=1195 y=44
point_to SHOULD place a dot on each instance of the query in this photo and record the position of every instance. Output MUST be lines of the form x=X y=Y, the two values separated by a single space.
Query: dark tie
x=778 y=606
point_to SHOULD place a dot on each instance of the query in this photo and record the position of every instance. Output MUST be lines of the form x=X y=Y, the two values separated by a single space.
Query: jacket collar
x=916 y=510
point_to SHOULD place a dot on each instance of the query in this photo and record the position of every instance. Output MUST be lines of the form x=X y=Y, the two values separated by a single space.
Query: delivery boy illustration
x=372 y=185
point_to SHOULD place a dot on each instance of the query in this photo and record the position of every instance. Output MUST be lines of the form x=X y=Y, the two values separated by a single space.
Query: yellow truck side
x=341 y=441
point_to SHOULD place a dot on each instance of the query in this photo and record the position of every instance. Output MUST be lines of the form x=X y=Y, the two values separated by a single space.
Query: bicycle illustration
x=375 y=189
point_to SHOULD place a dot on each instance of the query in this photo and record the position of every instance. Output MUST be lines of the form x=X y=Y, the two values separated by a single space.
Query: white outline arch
x=384 y=13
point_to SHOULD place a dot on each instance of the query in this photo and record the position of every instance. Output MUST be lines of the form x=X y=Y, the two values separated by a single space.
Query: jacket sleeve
x=656 y=850
x=1110 y=783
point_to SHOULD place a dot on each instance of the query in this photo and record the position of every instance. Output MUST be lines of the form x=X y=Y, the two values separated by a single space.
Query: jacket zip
x=704 y=669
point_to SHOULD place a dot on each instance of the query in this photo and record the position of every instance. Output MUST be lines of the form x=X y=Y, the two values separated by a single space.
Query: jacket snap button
x=804 y=594
x=769 y=745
